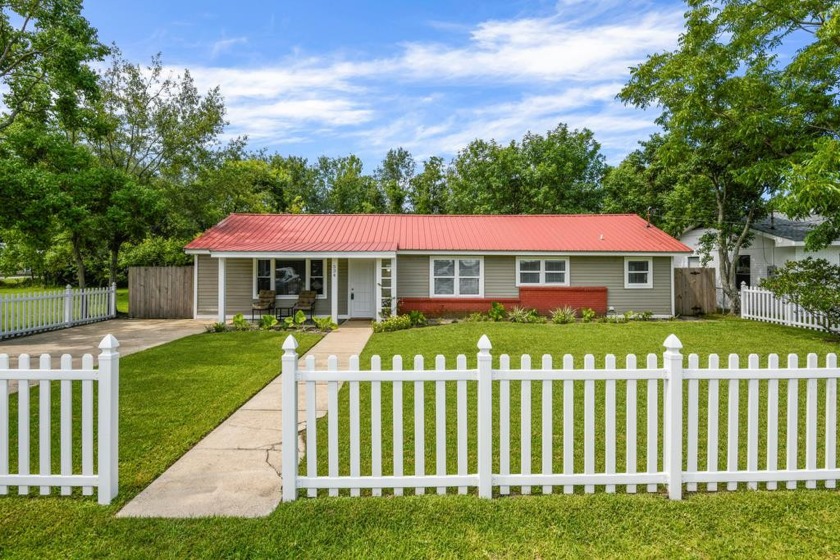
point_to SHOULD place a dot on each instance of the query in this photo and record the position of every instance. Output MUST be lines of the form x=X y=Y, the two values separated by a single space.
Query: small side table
x=281 y=312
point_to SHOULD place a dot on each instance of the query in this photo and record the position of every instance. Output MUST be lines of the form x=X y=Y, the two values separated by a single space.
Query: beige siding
x=208 y=285
x=239 y=291
x=609 y=272
x=500 y=277
x=413 y=276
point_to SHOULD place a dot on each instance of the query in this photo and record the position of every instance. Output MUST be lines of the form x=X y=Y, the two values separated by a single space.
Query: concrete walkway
x=133 y=335
x=235 y=470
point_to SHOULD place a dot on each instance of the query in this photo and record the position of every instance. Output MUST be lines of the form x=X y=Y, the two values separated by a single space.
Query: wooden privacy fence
x=762 y=305
x=694 y=291
x=72 y=472
x=160 y=292
x=617 y=426
x=33 y=312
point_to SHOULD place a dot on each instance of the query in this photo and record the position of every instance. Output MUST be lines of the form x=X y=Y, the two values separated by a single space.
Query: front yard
x=172 y=395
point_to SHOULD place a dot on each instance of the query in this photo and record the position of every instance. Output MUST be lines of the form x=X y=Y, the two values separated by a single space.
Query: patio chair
x=265 y=304
x=306 y=303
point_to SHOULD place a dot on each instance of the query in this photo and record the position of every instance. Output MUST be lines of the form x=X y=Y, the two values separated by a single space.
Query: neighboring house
x=777 y=239
x=360 y=264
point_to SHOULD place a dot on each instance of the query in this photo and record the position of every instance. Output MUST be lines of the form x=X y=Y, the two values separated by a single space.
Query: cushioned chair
x=306 y=303
x=265 y=304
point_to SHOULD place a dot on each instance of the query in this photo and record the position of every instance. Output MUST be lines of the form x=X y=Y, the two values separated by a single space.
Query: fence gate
x=160 y=292
x=694 y=291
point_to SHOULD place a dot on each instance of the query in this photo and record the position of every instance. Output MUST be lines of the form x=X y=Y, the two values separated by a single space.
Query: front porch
x=348 y=286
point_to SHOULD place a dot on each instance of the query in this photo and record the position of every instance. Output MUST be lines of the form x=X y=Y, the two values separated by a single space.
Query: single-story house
x=365 y=265
x=776 y=240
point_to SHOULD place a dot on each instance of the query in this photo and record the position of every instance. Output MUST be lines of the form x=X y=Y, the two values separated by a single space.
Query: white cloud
x=503 y=78
x=225 y=45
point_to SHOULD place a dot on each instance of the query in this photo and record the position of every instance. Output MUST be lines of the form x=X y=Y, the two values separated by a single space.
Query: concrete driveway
x=133 y=335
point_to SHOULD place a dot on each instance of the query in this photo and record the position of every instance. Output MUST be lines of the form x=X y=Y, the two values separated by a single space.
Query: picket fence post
x=485 y=418
x=108 y=426
x=673 y=444
x=112 y=302
x=289 y=468
x=68 y=305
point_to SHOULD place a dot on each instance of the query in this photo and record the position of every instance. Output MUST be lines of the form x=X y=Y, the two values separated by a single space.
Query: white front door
x=360 y=279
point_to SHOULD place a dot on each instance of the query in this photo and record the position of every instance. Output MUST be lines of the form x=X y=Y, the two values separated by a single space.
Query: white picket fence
x=760 y=304
x=106 y=378
x=34 y=312
x=627 y=401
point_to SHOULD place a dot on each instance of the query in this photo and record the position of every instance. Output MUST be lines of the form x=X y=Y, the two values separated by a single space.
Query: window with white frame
x=457 y=276
x=542 y=272
x=638 y=272
x=288 y=277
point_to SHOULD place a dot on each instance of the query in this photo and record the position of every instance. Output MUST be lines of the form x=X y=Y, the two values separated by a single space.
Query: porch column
x=395 y=297
x=377 y=289
x=334 y=289
x=222 y=283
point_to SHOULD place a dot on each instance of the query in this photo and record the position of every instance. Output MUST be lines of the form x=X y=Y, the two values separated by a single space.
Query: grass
x=777 y=524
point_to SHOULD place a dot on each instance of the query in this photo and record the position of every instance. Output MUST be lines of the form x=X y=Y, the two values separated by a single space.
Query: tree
x=302 y=191
x=349 y=190
x=156 y=133
x=812 y=284
x=560 y=172
x=428 y=189
x=44 y=47
x=563 y=170
x=394 y=176
x=726 y=123
x=807 y=89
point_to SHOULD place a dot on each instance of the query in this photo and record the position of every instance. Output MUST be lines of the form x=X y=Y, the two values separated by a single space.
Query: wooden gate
x=160 y=292
x=694 y=291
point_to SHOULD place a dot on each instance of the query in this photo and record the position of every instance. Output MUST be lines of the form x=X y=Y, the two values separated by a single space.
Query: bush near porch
x=770 y=524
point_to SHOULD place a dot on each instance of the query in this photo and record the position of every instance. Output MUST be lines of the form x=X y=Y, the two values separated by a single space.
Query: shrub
x=240 y=323
x=325 y=323
x=476 y=317
x=417 y=319
x=563 y=315
x=295 y=320
x=587 y=314
x=217 y=327
x=813 y=284
x=497 y=312
x=524 y=315
x=398 y=323
x=267 y=322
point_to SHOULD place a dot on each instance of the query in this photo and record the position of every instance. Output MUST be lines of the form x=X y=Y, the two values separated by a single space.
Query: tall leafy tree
x=44 y=46
x=156 y=132
x=428 y=189
x=349 y=190
x=394 y=176
x=302 y=191
x=725 y=122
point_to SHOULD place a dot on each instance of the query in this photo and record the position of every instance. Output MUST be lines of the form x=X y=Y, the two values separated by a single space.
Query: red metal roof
x=339 y=233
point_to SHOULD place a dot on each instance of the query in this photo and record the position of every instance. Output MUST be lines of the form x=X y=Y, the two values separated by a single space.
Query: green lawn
x=173 y=394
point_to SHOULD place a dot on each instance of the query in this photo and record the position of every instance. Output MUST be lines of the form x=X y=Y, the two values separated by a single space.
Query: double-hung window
x=457 y=276
x=638 y=272
x=288 y=277
x=542 y=272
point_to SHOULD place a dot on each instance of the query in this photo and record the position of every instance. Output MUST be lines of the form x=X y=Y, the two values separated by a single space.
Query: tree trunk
x=80 y=263
x=112 y=265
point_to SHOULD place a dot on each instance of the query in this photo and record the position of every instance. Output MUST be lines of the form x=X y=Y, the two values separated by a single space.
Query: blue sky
x=314 y=78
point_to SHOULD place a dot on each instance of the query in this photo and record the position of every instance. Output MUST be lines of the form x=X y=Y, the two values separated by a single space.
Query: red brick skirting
x=542 y=299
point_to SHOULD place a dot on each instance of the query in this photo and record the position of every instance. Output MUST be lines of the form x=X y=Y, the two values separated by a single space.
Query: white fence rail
x=29 y=313
x=71 y=473
x=592 y=427
x=762 y=305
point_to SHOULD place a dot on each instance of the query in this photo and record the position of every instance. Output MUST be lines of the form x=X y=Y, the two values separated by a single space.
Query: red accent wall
x=545 y=299
x=542 y=299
